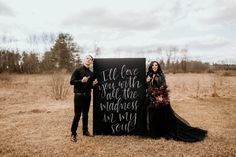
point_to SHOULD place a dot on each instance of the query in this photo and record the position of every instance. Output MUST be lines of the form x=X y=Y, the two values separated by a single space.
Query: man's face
x=88 y=60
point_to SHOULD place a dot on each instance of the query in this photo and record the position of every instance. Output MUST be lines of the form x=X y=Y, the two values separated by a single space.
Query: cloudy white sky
x=206 y=28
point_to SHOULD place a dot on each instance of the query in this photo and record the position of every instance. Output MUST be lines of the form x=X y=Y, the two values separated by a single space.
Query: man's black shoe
x=73 y=138
x=87 y=134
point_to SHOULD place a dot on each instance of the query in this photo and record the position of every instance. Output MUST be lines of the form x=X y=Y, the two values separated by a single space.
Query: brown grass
x=5 y=77
x=32 y=123
x=226 y=72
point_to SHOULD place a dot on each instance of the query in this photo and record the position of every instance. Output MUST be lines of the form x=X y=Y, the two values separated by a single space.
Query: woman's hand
x=148 y=79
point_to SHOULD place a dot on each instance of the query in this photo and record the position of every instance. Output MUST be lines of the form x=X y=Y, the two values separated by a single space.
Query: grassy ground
x=32 y=123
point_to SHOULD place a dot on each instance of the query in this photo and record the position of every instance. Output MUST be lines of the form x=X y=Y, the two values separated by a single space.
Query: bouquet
x=160 y=96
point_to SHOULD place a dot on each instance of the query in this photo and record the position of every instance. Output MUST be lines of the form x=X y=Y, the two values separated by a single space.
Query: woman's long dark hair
x=151 y=72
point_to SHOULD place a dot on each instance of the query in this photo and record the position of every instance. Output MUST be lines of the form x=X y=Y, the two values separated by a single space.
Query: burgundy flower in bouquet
x=160 y=96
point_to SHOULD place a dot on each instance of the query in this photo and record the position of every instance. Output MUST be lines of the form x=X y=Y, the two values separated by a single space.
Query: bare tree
x=184 y=53
x=97 y=49
x=30 y=63
x=174 y=51
x=33 y=40
x=47 y=39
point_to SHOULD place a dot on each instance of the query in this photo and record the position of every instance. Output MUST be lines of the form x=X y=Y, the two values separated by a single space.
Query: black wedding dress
x=157 y=118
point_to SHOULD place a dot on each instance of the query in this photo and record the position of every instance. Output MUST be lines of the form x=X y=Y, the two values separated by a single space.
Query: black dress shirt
x=76 y=78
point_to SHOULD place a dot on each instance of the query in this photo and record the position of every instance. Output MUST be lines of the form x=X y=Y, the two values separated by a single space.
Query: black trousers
x=81 y=105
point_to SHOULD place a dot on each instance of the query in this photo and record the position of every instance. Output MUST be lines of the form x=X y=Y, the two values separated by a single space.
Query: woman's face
x=155 y=67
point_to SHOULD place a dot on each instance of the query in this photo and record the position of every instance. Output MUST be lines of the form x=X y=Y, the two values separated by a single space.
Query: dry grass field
x=33 y=123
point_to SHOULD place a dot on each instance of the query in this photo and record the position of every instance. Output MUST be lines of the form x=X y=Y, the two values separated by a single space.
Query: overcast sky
x=206 y=28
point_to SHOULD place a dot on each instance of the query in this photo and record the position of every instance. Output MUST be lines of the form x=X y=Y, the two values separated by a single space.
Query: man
x=83 y=80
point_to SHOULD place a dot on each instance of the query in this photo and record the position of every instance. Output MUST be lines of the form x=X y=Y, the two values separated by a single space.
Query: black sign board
x=118 y=96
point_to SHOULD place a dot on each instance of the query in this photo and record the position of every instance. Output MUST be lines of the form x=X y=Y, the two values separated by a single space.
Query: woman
x=161 y=119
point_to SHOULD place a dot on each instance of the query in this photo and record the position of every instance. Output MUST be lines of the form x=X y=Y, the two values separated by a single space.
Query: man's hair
x=90 y=56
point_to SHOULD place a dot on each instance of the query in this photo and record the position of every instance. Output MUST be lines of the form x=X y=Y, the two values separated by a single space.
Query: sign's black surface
x=118 y=96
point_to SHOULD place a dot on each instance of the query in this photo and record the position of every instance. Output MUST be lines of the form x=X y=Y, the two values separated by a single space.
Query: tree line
x=65 y=54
